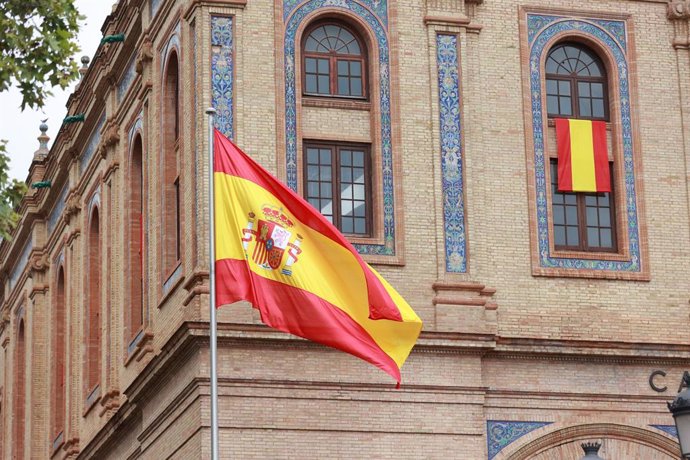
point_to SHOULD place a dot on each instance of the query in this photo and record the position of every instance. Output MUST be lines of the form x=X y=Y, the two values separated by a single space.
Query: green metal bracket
x=42 y=184
x=113 y=38
x=74 y=118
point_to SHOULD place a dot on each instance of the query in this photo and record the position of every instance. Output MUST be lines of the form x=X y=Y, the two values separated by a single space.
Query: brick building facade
x=550 y=318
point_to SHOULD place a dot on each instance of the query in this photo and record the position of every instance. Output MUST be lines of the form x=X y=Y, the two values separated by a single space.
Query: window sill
x=552 y=122
x=139 y=346
x=171 y=283
x=335 y=103
x=590 y=255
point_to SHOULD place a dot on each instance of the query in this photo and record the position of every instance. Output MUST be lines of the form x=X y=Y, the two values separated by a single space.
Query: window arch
x=577 y=88
x=19 y=393
x=93 y=320
x=170 y=157
x=59 y=356
x=134 y=317
x=334 y=61
x=576 y=84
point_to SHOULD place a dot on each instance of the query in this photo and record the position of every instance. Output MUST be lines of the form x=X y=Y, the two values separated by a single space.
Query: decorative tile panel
x=155 y=5
x=451 y=153
x=541 y=29
x=379 y=29
x=21 y=263
x=126 y=79
x=500 y=434
x=222 y=73
x=57 y=209
x=378 y=7
x=92 y=144
x=668 y=429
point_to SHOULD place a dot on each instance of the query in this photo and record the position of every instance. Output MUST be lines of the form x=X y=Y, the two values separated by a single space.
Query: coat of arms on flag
x=272 y=240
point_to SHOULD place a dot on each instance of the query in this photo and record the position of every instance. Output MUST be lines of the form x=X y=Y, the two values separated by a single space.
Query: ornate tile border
x=93 y=142
x=668 y=429
x=500 y=434
x=222 y=73
x=21 y=263
x=127 y=78
x=292 y=24
x=612 y=35
x=451 y=153
x=57 y=209
x=378 y=7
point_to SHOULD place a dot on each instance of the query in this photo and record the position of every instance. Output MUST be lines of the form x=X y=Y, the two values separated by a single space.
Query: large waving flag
x=276 y=251
x=583 y=162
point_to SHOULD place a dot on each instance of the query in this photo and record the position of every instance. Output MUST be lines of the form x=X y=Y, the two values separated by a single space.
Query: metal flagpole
x=212 y=289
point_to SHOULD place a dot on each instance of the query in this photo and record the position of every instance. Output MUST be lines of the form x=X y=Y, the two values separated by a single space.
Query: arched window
x=334 y=62
x=171 y=175
x=93 y=323
x=19 y=419
x=576 y=84
x=134 y=317
x=576 y=88
x=59 y=357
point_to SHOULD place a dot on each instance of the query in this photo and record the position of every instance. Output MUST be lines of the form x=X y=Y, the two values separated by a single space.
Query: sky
x=19 y=128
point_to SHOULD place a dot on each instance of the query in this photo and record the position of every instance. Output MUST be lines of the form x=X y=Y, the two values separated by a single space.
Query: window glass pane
x=598 y=108
x=590 y=200
x=551 y=87
x=346 y=191
x=606 y=239
x=346 y=175
x=593 y=236
x=324 y=85
x=343 y=68
x=358 y=158
x=565 y=106
x=311 y=84
x=559 y=236
x=558 y=215
x=356 y=86
x=570 y=198
x=360 y=226
x=360 y=208
x=346 y=207
x=326 y=173
x=326 y=191
x=323 y=66
x=592 y=217
x=597 y=90
x=347 y=225
x=310 y=65
x=311 y=44
x=571 y=215
x=557 y=197
x=358 y=174
x=319 y=33
x=312 y=155
x=313 y=172
x=327 y=207
x=313 y=189
x=325 y=155
x=583 y=89
x=604 y=199
x=356 y=68
x=552 y=104
x=314 y=202
x=572 y=237
x=358 y=191
x=564 y=88
x=346 y=157
x=605 y=217
x=353 y=48
x=585 y=107
x=343 y=86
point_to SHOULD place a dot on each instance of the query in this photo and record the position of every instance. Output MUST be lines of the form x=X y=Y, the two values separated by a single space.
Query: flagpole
x=212 y=290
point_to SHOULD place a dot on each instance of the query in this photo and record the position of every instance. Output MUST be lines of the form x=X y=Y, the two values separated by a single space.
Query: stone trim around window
x=611 y=37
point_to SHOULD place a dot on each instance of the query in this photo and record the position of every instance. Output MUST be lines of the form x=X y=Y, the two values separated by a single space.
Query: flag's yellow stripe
x=582 y=156
x=339 y=281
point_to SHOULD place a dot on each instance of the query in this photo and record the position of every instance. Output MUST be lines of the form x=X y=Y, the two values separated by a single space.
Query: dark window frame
x=336 y=148
x=573 y=80
x=333 y=59
x=581 y=198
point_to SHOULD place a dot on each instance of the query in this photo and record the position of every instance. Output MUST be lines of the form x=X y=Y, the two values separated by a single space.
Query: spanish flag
x=276 y=251
x=583 y=163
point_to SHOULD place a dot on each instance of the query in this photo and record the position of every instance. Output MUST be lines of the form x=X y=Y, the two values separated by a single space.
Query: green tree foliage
x=37 y=45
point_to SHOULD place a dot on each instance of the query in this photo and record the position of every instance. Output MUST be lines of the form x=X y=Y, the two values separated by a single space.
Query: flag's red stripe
x=298 y=312
x=229 y=159
x=565 y=170
x=601 y=157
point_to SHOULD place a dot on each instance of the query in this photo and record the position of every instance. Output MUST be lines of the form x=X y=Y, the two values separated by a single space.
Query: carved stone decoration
x=679 y=9
x=38 y=262
x=144 y=57
x=72 y=207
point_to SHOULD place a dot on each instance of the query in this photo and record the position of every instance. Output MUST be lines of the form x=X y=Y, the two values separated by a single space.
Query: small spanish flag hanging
x=583 y=163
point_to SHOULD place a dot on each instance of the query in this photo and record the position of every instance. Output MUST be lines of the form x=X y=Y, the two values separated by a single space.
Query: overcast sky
x=19 y=128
